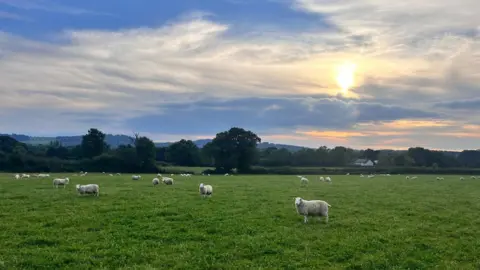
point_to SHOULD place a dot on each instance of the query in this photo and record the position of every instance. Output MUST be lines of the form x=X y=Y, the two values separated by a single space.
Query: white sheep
x=60 y=182
x=88 y=189
x=136 y=177
x=17 y=176
x=307 y=208
x=361 y=175
x=155 y=181
x=473 y=177
x=205 y=190
x=167 y=180
x=110 y=174
x=439 y=178
x=321 y=178
x=83 y=173
x=25 y=175
x=304 y=181
x=371 y=176
x=461 y=178
x=227 y=174
x=328 y=179
x=413 y=177
x=159 y=174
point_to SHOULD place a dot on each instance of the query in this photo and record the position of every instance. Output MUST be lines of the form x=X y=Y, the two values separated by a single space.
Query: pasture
x=250 y=222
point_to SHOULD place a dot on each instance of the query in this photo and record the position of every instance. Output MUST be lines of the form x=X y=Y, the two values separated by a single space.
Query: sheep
x=159 y=174
x=227 y=174
x=440 y=178
x=304 y=181
x=461 y=178
x=312 y=208
x=25 y=175
x=407 y=177
x=371 y=176
x=136 y=177
x=361 y=175
x=42 y=175
x=321 y=178
x=88 y=189
x=413 y=177
x=167 y=180
x=473 y=177
x=118 y=173
x=110 y=174
x=327 y=179
x=155 y=181
x=60 y=182
x=17 y=176
x=205 y=190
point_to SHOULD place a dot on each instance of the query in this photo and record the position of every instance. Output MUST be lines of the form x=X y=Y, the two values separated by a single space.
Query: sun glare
x=345 y=76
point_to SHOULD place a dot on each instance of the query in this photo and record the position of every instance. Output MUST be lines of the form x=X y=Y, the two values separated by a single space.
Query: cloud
x=49 y=6
x=470 y=105
x=12 y=16
x=196 y=76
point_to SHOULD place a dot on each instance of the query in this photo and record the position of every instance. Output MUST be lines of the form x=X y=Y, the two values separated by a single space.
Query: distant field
x=249 y=223
x=179 y=169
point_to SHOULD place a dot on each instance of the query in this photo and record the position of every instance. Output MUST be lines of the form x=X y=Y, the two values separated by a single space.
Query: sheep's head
x=77 y=187
x=298 y=201
x=201 y=185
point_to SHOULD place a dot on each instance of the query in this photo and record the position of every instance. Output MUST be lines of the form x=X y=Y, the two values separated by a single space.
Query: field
x=249 y=223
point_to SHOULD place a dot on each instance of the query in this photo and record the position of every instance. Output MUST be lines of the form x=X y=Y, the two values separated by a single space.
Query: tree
x=235 y=148
x=183 y=153
x=146 y=152
x=93 y=143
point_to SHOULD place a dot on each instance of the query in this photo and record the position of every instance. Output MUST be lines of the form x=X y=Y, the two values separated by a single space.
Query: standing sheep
x=317 y=208
x=304 y=181
x=88 y=189
x=205 y=190
x=60 y=182
x=136 y=177
x=167 y=180
x=155 y=181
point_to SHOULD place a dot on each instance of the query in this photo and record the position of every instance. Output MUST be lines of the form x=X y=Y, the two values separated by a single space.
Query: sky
x=189 y=69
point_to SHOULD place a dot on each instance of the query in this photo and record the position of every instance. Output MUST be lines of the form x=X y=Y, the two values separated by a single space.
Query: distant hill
x=115 y=140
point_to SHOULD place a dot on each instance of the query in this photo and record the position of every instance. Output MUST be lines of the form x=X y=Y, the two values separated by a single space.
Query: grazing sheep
x=60 y=182
x=17 y=176
x=328 y=179
x=118 y=173
x=321 y=178
x=110 y=174
x=461 y=178
x=136 y=177
x=167 y=180
x=227 y=174
x=205 y=190
x=413 y=177
x=88 y=189
x=407 y=177
x=361 y=175
x=473 y=177
x=83 y=173
x=307 y=208
x=25 y=175
x=159 y=174
x=155 y=181
x=304 y=181
x=371 y=176
x=440 y=178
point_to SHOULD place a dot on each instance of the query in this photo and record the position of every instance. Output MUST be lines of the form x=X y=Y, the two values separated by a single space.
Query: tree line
x=235 y=149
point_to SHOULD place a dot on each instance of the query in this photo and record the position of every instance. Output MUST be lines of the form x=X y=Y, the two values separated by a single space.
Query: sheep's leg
x=305 y=219
x=326 y=219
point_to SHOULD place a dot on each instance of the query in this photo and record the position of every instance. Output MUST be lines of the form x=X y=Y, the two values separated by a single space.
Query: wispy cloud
x=49 y=6
x=12 y=16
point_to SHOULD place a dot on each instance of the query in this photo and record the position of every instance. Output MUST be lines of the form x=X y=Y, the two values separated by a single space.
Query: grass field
x=249 y=223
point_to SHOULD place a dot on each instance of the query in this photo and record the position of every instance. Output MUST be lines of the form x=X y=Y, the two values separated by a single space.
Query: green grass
x=249 y=223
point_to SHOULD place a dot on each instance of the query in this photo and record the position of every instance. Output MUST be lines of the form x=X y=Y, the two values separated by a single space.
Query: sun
x=345 y=76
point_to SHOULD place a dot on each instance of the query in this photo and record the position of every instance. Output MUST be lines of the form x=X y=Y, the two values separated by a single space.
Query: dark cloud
x=472 y=104
x=263 y=114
